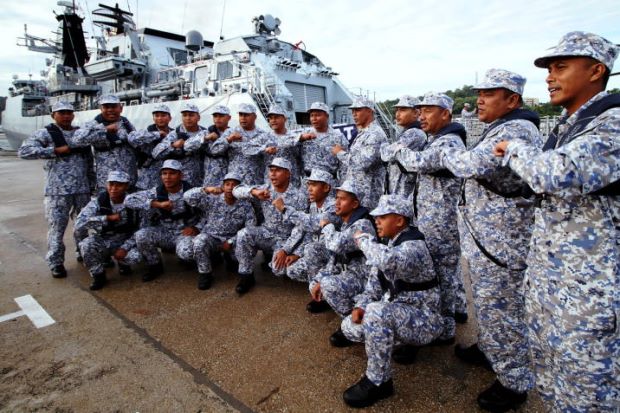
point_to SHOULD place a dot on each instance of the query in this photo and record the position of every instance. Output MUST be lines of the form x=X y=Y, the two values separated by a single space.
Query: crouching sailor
x=400 y=303
x=113 y=226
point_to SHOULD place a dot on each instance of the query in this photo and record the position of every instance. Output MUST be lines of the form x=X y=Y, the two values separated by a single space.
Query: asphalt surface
x=166 y=346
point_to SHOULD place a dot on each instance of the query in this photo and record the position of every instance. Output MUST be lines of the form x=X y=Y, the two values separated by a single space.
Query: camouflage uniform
x=246 y=158
x=112 y=151
x=190 y=161
x=362 y=162
x=493 y=212
x=436 y=196
x=67 y=186
x=288 y=149
x=571 y=287
x=346 y=272
x=222 y=222
x=401 y=315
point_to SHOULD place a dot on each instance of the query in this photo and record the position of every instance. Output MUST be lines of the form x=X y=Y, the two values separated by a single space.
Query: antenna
x=222 y=22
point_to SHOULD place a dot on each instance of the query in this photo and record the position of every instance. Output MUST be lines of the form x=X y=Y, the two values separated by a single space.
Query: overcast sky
x=389 y=47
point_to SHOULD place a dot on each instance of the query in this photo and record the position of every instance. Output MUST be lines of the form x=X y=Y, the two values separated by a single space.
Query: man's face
x=247 y=120
x=221 y=120
x=190 y=119
x=362 y=116
x=63 y=118
x=317 y=191
x=389 y=225
x=117 y=190
x=279 y=176
x=229 y=185
x=277 y=122
x=434 y=118
x=569 y=81
x=495 y=103
x=161 y=119
x=111 y=112
x=319 y=119
x=171 y=177
x=406 y=116
x=345 y=203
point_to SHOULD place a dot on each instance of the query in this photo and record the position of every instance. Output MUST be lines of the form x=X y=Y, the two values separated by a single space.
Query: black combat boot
x=204 y=280
x=99 y=281
x=405 y=354
x=460 y=318
x=472 y=355
x=498 y=399
x=246 y=282
x=316 y=307
x=338 y=339
x=152 y=272
x=232 y=265
x=365 y=393
x=59 y=271
x=124 y=269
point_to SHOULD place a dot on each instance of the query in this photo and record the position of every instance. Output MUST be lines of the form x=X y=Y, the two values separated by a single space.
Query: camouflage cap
x=62 y=105
x=500 y=78
x=281 y=163
x=161 y=107
x=362 y=102
x=246 y=108
x=189 y=107
x=319 y=175
x=437 y=99
x=407 y=101
x=393 y=204
x=118 y=176
x=109 y=100
x=582 y=44
x=319 y=106
x=172 y=164
x=232 y=176
x=220 y=110
x=276 y=110
x=352 y=188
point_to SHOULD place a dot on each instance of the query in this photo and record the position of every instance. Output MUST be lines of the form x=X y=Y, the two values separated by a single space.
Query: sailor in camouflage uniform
x=572 y=278
x=401 y=301
x=144 y=141
x=224 y=216
x=108 y=134
x=316 y=143
x=69 y=165
x=245 y=146
x=272 y=234
x=215 y=165
x=173 y=219
x=362 y=161
x=112 y=225
x=172 y=146
x=346 y=273
x=495 y=225
x=309 y=252
x=282 y=143
x=399 y=180
x=435 y=196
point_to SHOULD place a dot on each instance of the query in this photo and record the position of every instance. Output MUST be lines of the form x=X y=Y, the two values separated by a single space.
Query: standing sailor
x=67 y=185
x=282 y=143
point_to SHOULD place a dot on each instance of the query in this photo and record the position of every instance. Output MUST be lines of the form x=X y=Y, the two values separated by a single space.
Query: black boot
x=316 y=307
x=59 y=271
x=124 y=269
x=461 y=318
x=246 y=282
x=472 y=355
x=364 y=393
x=405 y=354
x=204 y=280
x=338 y=339
x=498 y=399
x=78 y=257
x=152 y=272
x=99 y=281
x=232 y=265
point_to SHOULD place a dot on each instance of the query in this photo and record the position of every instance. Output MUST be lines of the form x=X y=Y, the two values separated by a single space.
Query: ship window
x=224 y=70
x=178 y=55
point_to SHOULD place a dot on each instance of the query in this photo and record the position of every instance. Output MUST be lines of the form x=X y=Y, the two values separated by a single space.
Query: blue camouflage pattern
x=246 y=157
x=191 y=164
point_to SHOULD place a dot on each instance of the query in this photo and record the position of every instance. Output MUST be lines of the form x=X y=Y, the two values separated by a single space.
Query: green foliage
x=614 y=90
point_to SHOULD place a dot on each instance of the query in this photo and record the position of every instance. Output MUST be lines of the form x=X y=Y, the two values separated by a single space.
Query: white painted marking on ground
x=31 y=309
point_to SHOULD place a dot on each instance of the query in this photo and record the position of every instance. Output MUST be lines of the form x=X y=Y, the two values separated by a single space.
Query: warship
x=146 y=66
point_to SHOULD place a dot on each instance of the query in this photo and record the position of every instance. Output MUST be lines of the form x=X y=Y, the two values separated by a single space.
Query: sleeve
x=142 y=138
x=92 y=133
x=164 y=148
x=129 y=244
x=392 y=261
x=372 y=291
x=366 y=155
x=257 y=144
x=293 y=242
x=244 y=191
x=194 y=144
x=88 y=218
x=196 y=198
x=427 y=160
x=37 y=146
x=140 y=200
x=220 y=145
